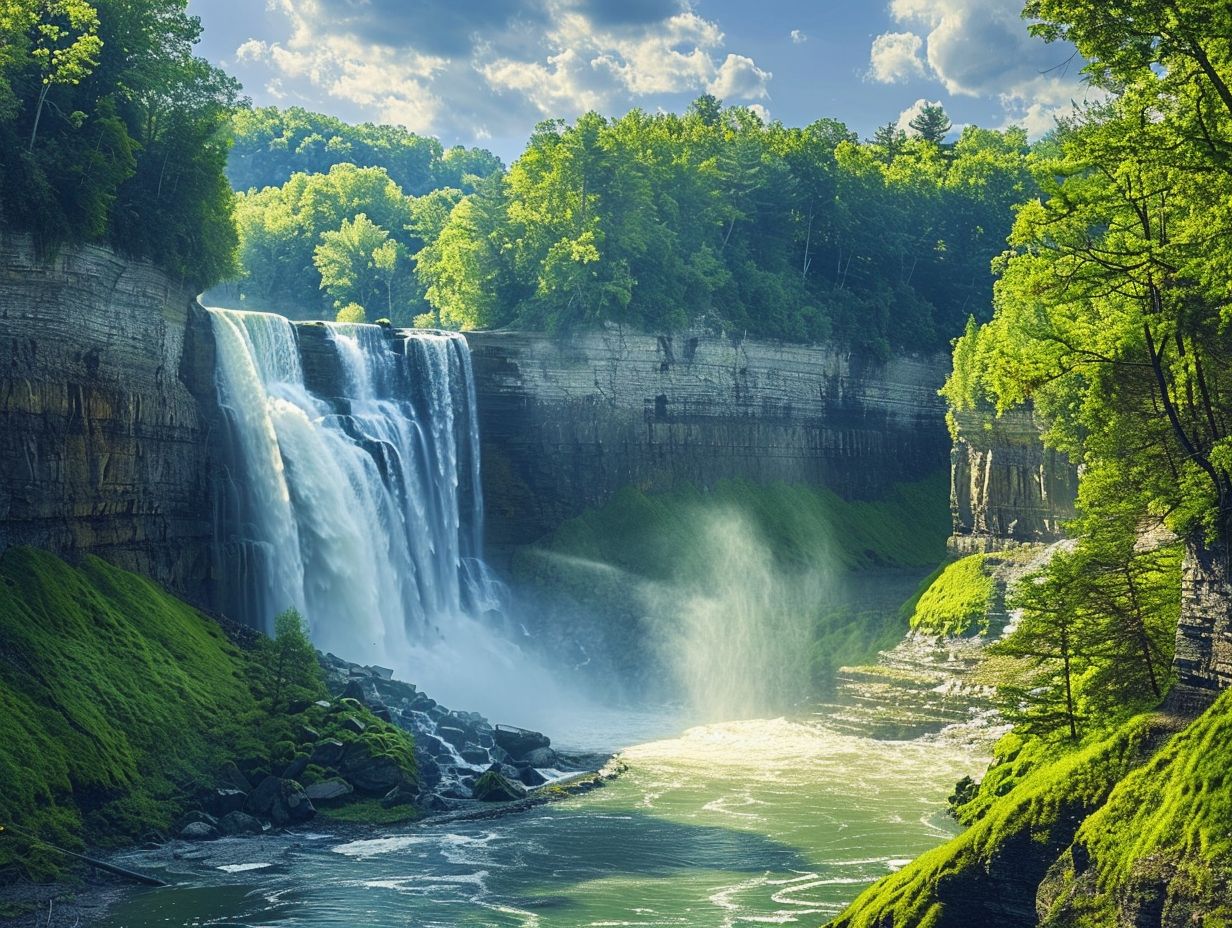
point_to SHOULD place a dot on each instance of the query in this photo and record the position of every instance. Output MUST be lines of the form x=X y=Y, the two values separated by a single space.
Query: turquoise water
x=741 y=823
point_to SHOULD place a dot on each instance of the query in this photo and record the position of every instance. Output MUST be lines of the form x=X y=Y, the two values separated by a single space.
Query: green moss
x=117 y=701
x=957 y=601
x=1046 y=787
x=370 y=812
x=1166 y=824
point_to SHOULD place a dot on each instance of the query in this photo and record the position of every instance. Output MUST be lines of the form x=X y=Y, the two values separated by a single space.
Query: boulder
x=474 y=754
x=434 y=803
x=222 y=801
x=329 y=790
x=383 y=713
x=519 y=742
x=281 y=801
x=354 y=690
x=231 y=777
x=191 y=818
x=296 y=768
x=377 y=776
x=541 y=757
x=529 y=776
x=402 y=795
x=492 y=787
x=454 y=735
x=199 y=831
x=239 y=823
x=308 y=735
x=327 y=753
x=354 y=725
x=383 y=672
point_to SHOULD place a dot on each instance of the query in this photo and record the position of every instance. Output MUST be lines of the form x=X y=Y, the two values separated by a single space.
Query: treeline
x=1112 y=318
x=656 y=222
x=112 y=131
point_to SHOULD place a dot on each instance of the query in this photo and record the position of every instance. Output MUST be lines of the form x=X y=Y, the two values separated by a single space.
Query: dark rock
x=434 y=803
x=327 y=753
x=383 y=713
x=298 y=706
x=529 y=776
x=199 y=831
x=354 y=690
x=239 y=823
x=429 y=770
x=401 y=795
x=192 y=817
x=541 y=757
x=377 y=776
x=309 y=735
x=383 y=672
x=473 y=754
x=455 y=736
x=519 y=741
x=280 y=801
x=352 y=724
x=296 y=768
x=222 y=801
x=329 y=790
x=230 y=777
x=492 y=787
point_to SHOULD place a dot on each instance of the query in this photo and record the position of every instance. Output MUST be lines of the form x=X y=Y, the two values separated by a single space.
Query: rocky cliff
x=1005 y=486
x=103 y=445
x=568 y=421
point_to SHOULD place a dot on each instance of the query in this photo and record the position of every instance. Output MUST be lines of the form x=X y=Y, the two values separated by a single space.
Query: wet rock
x=519 y=742
x=352 y=724
x=401 y=795
x=473 y=754
x=529 y=776
x=329 y=790
x=454 y=735
x=222 y=801
x=239 y=823
x=354 y=690
x=199 y=831
x=492 y=787
x=383 y=713
x=541 y=757
x=377 y=776
x=429 y=770
x=327 y=753
x=296 y=768
x=281 y=801
x=434 y=802
x=193 y=817
x=383 y=672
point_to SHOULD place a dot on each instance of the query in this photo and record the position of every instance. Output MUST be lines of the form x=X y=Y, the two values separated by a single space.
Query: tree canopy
x=111 y=130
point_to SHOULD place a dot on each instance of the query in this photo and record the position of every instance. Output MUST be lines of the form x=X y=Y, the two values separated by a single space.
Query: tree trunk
x=38 y=115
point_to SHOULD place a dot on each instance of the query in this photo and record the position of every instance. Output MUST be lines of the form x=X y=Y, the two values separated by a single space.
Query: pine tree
x=931 y=124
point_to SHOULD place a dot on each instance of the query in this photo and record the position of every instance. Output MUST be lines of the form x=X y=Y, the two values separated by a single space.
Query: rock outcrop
x=103 y=441
x=567 y=421
x=1005 y=486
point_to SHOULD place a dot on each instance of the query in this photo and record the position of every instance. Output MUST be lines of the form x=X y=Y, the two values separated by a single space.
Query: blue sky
x=485 y=71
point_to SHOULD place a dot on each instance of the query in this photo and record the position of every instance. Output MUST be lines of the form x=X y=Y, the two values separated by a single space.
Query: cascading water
x=364 y=510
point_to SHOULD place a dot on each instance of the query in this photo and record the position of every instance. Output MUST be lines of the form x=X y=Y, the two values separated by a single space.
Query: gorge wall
x=1005 y=486
x=567 y=421
x=104 y=445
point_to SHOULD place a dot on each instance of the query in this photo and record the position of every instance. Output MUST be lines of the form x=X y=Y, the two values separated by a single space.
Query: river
x=739 y=823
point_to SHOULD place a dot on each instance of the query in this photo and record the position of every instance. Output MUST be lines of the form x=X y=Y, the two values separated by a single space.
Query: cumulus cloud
x=470 y=68
x=895 y=57
x=911 y=112
x=981 y=48
x=798 y=37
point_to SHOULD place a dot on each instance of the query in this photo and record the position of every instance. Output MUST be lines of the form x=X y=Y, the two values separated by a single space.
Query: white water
x=365 y=512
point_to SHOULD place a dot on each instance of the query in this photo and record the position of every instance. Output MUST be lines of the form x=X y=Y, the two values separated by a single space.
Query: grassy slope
x=117 y=700
x=1028 y=807
x=957 y=602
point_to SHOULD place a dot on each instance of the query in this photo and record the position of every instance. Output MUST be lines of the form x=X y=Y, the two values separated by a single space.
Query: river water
x=740 y=823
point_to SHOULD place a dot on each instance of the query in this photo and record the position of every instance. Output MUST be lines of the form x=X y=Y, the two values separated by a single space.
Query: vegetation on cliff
x=118 y=702
x=112 y=131
x=957 y=600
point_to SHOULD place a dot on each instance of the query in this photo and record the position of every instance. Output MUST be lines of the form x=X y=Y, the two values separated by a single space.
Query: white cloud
x=895 y=57
x=470 y=68
x=761 y=112
x=740 y=78
x=798 y=37
x=982 y=49
x=911 y=112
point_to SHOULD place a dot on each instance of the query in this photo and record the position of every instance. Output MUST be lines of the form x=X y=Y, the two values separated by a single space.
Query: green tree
x=291 y=670
x=931 y=123
x=65 y=48
x=360 y=264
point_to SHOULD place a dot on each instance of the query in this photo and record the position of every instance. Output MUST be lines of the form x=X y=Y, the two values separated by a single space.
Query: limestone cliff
x=568 y=421
x=1005 y=486
x=103 y=449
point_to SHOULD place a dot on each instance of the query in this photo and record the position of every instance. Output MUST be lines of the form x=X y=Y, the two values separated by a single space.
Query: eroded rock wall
x=1006 y=488
x=103 y=443
x=568 y=421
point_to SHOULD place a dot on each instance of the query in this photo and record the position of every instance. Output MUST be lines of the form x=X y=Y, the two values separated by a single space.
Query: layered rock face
x=1203 y=661
x=568 y=421
x=103 y=447
x=1005 y=486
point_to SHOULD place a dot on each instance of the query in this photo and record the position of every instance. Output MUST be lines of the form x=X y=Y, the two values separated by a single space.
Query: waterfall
x=363 y=510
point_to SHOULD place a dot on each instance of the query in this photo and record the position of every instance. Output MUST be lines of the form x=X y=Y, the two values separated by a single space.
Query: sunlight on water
x=749 y=822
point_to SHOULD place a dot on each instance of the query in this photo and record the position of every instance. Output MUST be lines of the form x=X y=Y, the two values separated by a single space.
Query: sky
x=484 y=72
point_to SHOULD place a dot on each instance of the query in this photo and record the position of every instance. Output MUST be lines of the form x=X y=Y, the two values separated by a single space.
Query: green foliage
x=112 y=131
x=352 y=312
x=1039 y=796
x=931 y=124
x=272 y=144
x=118 y=701
x=716 y=218
x=957 y=602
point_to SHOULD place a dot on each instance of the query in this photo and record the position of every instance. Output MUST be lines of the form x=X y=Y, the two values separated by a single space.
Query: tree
x=292 y=672
x=65 y=47
x=890 y=139
x=931 y=123
x=359 y=264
